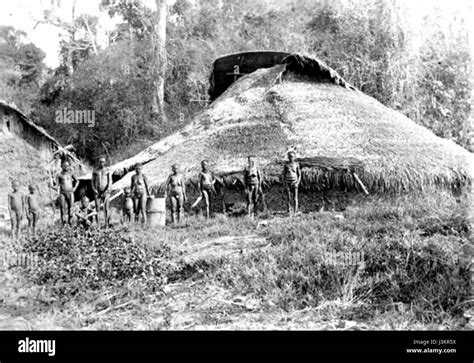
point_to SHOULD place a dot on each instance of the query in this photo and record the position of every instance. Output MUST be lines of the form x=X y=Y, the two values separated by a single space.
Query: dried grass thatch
x=26 y=121
x=20 y=161
x=305 y=106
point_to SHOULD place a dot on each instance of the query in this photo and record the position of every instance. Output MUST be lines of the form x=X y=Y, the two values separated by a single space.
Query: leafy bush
x=71 y=260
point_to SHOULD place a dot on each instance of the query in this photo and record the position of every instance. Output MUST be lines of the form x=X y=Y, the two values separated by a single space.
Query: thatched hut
x=13 y=122
x=29 y=154
x=346 y=140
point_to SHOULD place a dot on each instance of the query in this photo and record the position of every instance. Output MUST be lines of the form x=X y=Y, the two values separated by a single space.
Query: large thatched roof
x=306 y=106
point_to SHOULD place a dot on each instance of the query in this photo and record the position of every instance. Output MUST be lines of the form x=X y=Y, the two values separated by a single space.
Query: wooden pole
x=360 y=183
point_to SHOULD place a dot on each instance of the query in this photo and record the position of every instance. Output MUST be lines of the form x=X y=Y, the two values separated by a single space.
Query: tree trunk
x=70 y=55
x=92 y=37
x=159 y=40
x=72 y=36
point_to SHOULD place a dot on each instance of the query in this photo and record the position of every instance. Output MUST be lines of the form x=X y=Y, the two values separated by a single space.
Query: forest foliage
x=417 y=64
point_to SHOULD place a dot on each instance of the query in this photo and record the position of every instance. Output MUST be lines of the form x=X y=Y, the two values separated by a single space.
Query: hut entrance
x=6 y=122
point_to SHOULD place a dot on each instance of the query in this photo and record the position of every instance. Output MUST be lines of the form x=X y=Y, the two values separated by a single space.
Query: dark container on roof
x=227 y=69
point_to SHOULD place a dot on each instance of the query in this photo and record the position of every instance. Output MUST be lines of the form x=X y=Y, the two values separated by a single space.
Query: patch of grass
x=402 y=263
x=409 y=261
x=194 y=229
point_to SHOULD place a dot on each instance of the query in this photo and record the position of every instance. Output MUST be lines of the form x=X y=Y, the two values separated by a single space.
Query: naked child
x=85 y=214
x=127 y=206
x=15 y=207
x=32 y=209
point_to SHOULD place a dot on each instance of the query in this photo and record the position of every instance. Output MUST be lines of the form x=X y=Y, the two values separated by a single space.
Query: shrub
x=72 y=260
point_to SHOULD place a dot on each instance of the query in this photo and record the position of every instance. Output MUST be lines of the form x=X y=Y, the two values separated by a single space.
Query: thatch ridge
x=314 y=68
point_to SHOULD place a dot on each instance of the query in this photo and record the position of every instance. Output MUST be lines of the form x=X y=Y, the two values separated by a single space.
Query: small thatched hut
x=345 y=139
x=29 y=154
x=13 y=122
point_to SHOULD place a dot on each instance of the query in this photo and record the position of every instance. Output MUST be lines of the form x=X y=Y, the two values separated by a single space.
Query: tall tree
x=22 y=69
x=159 y=47
x=76 y=42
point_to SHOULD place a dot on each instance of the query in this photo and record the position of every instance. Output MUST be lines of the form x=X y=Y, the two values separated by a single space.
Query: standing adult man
x=206 y=186
x=291 y=181
x=253 y=186
x=68 y=184
x=101 y=184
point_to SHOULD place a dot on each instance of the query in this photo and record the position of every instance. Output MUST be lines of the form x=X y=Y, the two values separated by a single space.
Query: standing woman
x=176 y=189
x=140 y=192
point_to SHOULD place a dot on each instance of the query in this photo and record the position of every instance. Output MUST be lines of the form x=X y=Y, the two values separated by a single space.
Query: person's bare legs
x=206 y=200
x=290 y=199
x=249 y=201
x=70 y=204
x=32 y=220
x=106 y=210
x=255 y=196
x=62 y=208
x=29 y=217
x=35 y=221
x=180 y=201
x=18 y=225
x=143 y=207
x=97 y=209
x=262 y=201
x=295 y=197
x=136 y=207
x=174 y=205
x=252 y=200
x=126 y=216
x=14 y=223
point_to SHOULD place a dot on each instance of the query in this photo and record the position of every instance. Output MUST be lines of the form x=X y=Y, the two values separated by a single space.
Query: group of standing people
x=253 y=180
x=20 y=205
x=135 y=196
x=101 y=185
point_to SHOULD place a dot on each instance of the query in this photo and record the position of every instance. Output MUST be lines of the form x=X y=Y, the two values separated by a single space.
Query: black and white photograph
x=253 y=165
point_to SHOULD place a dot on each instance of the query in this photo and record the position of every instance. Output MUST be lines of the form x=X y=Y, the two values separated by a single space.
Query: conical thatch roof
x=306 y=106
